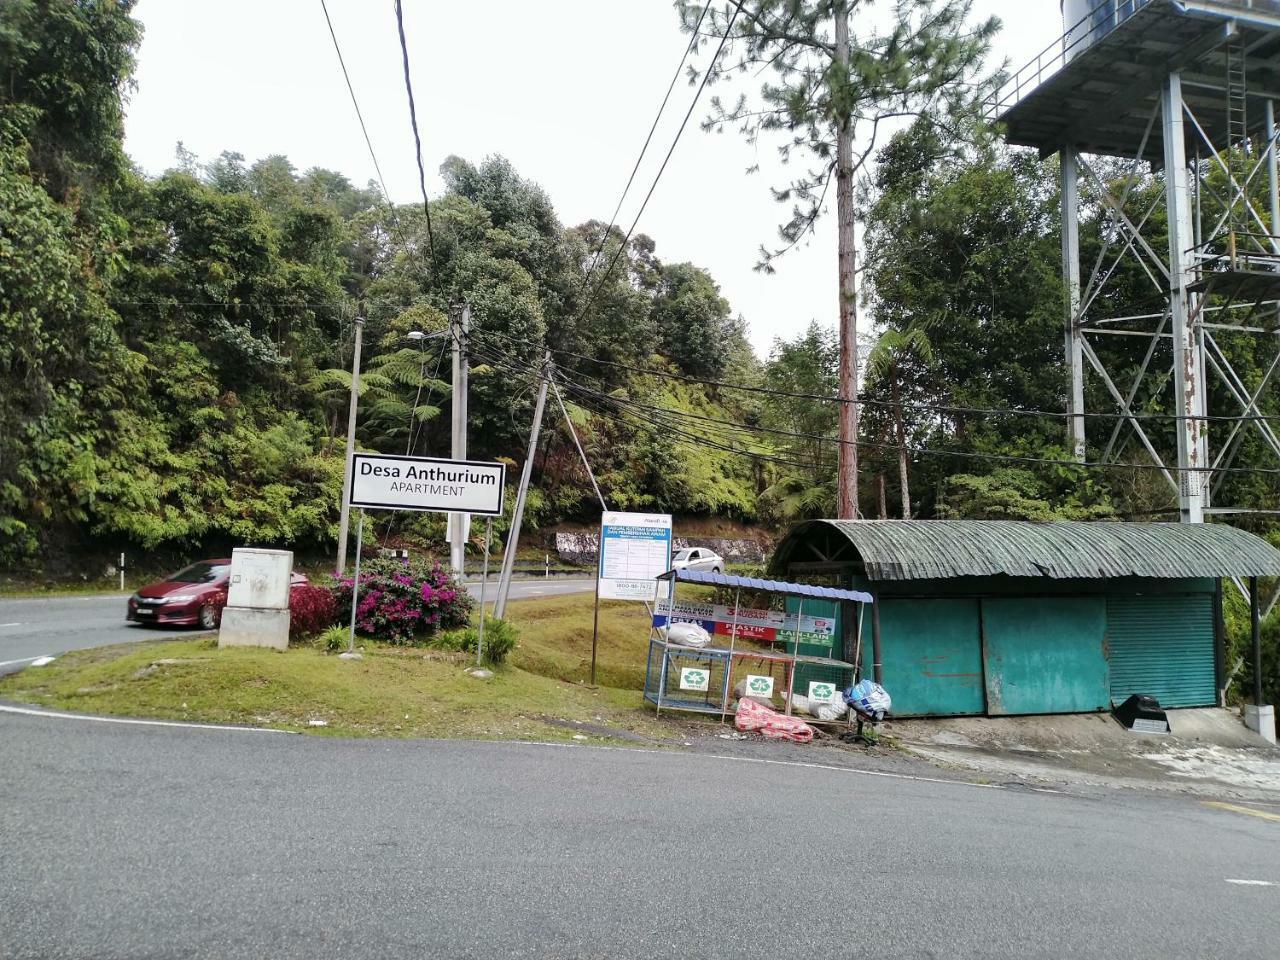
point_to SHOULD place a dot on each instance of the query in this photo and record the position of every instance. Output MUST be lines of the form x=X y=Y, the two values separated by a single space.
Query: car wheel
x=208 y=617
x=716 y=570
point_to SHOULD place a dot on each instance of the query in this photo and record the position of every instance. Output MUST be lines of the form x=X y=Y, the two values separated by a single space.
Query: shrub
x=500 y=639
x=405 y=603
x=311 y=609
x=333 y=639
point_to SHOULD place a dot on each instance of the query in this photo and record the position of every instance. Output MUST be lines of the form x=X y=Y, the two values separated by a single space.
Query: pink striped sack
x=752 y=717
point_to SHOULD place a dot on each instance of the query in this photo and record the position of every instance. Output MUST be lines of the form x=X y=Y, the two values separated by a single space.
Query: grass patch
x=393 y=692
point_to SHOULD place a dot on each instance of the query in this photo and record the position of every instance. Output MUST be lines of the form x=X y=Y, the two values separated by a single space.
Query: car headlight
x=180 y=598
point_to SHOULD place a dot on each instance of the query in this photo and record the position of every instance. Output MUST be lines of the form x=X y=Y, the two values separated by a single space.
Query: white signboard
x=758 y=686
x=389 y=482
x=634 y=549
x=694 y=678
x=821 y=692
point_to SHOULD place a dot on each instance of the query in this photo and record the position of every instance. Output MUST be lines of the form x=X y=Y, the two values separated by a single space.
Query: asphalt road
x=165 y=842
x=48 y=626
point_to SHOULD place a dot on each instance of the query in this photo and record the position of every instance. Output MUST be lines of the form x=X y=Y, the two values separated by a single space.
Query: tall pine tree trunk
x=903 y=479
x=847 y=487
x=884 y=506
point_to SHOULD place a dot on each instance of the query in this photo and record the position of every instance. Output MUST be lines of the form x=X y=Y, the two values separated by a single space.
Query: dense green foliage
x=175 y=351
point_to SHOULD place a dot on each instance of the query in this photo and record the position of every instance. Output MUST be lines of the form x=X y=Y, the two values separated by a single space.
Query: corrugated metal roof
x=685 y=575
x=930 y=549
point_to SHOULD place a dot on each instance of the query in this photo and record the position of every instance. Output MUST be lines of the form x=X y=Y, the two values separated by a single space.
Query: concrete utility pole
x=345 y=510
x=459 y=523
x=513 y=535
x=847 y=481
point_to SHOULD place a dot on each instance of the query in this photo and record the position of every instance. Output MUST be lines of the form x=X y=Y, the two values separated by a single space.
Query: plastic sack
x=687 y=634
x=835 y=710
x=752 y=716
x=869 y=698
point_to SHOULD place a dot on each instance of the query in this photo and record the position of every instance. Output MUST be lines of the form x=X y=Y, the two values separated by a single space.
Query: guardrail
x=1099 y=21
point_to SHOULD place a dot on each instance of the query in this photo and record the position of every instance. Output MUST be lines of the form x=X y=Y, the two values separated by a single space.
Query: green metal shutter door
x=1044 y=654
x=932 y=656
x=1162 y=646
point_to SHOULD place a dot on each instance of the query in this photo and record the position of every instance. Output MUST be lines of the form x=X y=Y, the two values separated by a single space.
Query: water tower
x=1186 y=86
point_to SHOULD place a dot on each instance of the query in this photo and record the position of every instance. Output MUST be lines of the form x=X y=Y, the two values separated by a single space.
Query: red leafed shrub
x=311 y=610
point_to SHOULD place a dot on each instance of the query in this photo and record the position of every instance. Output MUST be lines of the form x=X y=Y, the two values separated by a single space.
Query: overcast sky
x=565 y=89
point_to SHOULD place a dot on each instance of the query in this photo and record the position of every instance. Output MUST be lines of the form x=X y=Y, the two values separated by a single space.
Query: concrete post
x=1071 y=281
x=1188 y=378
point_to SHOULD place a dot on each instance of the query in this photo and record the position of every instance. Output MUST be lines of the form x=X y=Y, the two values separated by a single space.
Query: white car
x=698 y=558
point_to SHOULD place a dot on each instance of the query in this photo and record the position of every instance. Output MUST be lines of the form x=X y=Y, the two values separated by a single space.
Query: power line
x=872 y=402
x=666 y=413
x=413 y=120
x=355 y=102
x=683 y=123
x=595 y=257
x=969 y=455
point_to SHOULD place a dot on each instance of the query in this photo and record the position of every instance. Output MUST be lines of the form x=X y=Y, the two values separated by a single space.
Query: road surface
x=166 y=842
x=48 y=626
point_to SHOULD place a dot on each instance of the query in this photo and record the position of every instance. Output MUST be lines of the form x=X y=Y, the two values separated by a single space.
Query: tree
x=693 y=323
x=892 y=360
x=839 y=75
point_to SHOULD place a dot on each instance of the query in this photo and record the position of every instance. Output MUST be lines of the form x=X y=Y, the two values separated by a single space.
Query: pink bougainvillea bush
x=404 y=603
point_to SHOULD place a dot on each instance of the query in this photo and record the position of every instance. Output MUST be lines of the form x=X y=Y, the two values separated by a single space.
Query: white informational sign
x=634 y=549
x=694 y=678
x=821 y=692
x=758 y=686
x=389 y=482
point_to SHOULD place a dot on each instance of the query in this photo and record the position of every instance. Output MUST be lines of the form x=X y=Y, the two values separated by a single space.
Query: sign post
x=634 y=549
x=389 y=482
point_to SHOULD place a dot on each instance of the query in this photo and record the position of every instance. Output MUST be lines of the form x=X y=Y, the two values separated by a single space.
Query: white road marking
x=9 y=663
x=42 y=661
x=16 y=623
x=1251 y=883
x=57 y=715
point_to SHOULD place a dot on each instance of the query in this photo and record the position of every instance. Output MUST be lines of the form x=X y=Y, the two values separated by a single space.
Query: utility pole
x=345 y=510
x=513 y=536
x=847 y=480
x=459 y=523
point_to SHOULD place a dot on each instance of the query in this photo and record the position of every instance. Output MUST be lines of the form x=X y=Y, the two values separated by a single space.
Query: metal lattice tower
x=1186 y=86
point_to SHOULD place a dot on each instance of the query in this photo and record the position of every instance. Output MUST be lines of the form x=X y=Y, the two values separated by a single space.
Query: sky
x=565 y=89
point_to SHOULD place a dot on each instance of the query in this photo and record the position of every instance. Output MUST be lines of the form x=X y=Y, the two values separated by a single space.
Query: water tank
x=1084 y=21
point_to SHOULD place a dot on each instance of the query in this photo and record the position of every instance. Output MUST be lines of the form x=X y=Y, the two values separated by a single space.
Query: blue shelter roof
x=772 y=586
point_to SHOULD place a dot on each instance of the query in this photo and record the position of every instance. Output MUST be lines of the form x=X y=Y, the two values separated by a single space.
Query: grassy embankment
x=540 y=693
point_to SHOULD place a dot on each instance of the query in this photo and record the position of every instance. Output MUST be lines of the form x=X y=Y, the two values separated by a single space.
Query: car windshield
x=200 y=573
x=682 y=555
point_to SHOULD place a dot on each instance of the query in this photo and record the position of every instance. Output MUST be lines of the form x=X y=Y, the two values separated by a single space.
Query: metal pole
x=1187 y=366
x=595 y=617
x=795 y=653
x=877 y=673
x=122 y=573
x=1071 y=279
x=1255 y=620
x=574 y=433
x=459 y=523
x=1269 y=115
x=513 y=539
x=355 y=593
x=728 y=669
x=484 y=580
x=344 y=516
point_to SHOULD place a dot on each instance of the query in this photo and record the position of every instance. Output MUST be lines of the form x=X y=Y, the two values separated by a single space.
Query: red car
x=192 y=597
